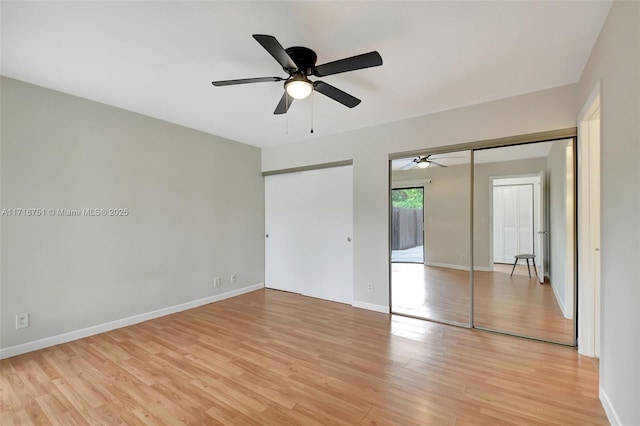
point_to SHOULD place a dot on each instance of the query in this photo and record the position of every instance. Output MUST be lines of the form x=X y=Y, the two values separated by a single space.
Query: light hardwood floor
x=275 y=358
x=515 y=304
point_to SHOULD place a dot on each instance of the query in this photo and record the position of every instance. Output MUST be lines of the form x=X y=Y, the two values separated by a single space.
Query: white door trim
x=589 y=295
x=525 y=177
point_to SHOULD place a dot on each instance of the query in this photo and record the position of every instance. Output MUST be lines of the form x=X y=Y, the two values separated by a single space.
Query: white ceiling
x=158 y=58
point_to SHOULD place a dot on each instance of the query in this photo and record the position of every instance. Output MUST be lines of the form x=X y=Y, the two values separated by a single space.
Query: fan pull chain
x=311 y=112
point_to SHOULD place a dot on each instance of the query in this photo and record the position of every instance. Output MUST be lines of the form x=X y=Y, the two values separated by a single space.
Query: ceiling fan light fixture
x=423 y=163
x=298 y=87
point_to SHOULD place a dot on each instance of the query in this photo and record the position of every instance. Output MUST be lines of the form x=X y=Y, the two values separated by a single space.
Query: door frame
x=589 y=302
x=536 y=225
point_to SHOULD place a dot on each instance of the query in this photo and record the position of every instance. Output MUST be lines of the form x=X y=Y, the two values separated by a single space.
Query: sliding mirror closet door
x=524 y=224
x=430 y=237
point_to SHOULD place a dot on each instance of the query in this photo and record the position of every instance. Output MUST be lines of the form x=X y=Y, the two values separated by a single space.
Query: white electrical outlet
x=22 y=320
x=370 y=287
x=217 y=282
x=234 y=278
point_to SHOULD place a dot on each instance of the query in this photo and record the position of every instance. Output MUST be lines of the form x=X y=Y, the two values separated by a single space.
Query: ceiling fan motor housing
x=304 y=58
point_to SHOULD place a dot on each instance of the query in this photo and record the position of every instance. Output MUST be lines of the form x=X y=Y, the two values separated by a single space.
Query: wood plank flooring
x=519 y=304
x=275 y=358
x=516 y=304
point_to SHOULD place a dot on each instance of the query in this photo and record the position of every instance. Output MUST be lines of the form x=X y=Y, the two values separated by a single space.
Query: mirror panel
x=524 y=225
x=430 y=237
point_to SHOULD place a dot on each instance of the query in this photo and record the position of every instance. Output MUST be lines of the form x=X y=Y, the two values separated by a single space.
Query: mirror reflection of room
x=430 y=237
x=523 y=240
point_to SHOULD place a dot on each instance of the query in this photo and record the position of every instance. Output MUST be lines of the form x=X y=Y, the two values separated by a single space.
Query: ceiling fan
x=424 y=161
x=300 y=63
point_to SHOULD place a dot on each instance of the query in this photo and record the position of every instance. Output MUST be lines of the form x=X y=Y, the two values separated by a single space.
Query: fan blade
x=411 y=165
x=358 y=62
x=437 y=164
x=245 y=81
x=285 y=102
x=336 y=94
x=276 y=50
x=445 y=158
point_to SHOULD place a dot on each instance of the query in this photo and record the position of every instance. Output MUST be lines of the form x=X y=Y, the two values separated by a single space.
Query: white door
x=309 y=223
x=498 y=227
x=512 y=221
x=282 y=234
x=541 y=235
x=509 y=224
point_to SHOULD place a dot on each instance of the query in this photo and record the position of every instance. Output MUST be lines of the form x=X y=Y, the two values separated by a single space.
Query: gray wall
x=615 y=63
x=196 y=210
x=446 y=217
x=370 y=148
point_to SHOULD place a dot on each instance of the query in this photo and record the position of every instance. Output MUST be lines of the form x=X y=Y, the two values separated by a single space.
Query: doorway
x=519 y=220
x=513 y=224
x=407 y=224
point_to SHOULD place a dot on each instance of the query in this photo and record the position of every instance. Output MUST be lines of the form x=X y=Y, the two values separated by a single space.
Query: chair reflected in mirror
x=525 y=257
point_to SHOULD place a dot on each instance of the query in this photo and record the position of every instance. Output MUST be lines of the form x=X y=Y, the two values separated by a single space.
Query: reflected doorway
x=407 y=225
x=513 y=225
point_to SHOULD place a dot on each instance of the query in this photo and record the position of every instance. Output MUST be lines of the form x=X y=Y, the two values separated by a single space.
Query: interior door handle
x=349 y=239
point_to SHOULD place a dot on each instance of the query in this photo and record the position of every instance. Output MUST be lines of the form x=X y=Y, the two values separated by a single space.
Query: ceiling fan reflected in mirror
x=424 y=161
x=300 y=63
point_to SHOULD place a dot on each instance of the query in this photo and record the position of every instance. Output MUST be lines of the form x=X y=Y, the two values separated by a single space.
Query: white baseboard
x=612 y=416
x=459 y=267
x=482 y=268
x=560 y=302
x=124 y=322
x=370 y=307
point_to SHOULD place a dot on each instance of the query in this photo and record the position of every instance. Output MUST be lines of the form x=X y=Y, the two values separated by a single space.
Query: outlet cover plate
x=22 y=320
